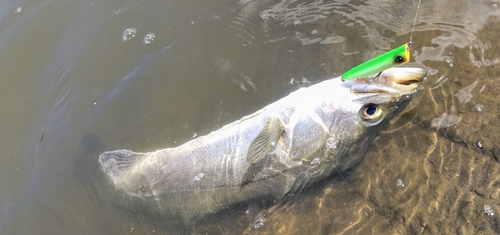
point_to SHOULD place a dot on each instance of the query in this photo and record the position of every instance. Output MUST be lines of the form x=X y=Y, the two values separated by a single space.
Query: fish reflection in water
x=285 y=147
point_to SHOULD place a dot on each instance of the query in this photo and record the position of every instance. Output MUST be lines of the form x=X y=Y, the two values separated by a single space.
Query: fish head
x=357 y=112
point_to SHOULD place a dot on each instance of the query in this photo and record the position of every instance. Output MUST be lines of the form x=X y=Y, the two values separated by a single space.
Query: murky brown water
x=71 y=87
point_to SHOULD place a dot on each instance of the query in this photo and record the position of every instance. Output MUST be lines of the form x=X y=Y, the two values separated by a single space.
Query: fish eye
x=371 y=111
x=398 y=59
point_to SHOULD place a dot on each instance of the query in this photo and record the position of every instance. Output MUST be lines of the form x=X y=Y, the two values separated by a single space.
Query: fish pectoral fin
x=266 y=140
x=253 y=170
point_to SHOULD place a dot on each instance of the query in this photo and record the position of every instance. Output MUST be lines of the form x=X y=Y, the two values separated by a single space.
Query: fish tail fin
x=117 y=163
x=120 y=165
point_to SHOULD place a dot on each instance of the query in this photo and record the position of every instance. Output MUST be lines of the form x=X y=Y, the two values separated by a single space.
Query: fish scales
x=298 y=140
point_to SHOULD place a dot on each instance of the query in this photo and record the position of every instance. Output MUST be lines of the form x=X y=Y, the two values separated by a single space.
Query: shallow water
x=72 y=87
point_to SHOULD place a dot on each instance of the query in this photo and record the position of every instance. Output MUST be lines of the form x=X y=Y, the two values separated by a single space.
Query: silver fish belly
x=298 y=140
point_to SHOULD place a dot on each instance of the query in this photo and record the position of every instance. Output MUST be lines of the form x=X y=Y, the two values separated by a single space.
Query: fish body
x=288 y=145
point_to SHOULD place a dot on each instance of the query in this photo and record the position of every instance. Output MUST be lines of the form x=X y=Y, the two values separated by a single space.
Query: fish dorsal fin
x=266 y=140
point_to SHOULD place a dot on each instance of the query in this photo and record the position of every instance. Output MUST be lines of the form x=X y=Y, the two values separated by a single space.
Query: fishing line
x=415 y=21
x=377 y=65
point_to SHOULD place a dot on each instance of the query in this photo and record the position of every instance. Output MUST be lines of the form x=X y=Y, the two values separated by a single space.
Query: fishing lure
x=394 y=57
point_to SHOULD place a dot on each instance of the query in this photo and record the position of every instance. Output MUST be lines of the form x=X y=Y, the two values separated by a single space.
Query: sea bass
x=288 y=145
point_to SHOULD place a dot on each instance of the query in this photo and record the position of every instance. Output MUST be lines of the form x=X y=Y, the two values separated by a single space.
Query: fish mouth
x=401 y=80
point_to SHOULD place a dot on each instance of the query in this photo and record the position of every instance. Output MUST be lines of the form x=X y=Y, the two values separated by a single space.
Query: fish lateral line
x=392 y=58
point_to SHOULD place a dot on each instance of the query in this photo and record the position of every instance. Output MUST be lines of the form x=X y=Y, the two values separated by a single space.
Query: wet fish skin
x=296 y=141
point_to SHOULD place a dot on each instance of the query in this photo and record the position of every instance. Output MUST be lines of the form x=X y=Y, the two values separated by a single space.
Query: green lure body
x=380 y=63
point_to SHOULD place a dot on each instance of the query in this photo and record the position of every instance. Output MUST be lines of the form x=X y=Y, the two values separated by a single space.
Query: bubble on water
x=258 y=223
x=479 y=107
x=315 y=162
x=129 y=34
x=314 y=32
x=489 y=211
x=148 y=39
x=330 y=143
x=328 y=190
x=264 y=16
x=367 y=212
x=449 y=61
x=197 y=177
x=479 y=144
x=400 y=183
x=18 y=10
